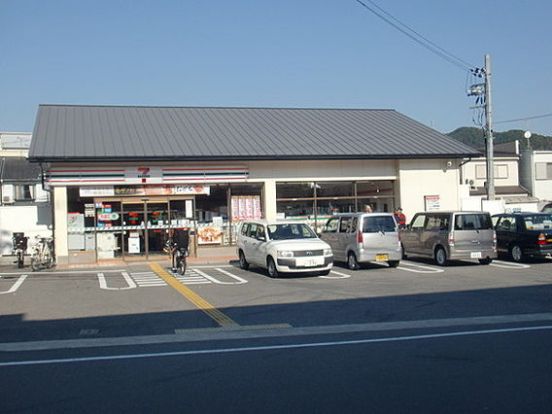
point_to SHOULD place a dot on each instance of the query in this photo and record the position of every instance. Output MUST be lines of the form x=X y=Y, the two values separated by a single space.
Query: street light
x=527 y=134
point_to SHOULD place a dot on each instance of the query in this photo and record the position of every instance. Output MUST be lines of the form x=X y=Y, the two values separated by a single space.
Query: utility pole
x=489 y=130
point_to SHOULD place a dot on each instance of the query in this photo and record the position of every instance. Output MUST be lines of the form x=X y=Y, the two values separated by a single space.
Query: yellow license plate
x=382 y=257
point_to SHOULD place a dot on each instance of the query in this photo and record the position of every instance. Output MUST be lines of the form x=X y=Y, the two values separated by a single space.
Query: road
x=464 y=338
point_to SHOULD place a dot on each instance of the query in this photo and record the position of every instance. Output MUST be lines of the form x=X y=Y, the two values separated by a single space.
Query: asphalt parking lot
x=148 y=300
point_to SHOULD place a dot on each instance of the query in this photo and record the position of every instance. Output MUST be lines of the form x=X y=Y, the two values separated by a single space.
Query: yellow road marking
x=219 y=317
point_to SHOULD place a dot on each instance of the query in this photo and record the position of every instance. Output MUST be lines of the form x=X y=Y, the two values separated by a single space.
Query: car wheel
x=441 y=256
x=352 y=262
x=485 y=261
x=271 y=268
x=393 y=263
x=516 y=253
x=243 y=262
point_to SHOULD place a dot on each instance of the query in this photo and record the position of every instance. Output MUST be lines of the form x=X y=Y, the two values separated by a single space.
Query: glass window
x=538 y=222
x=354 y=225
x=437 y=223
x=329 y=207
x=252 y=231
x=331 y=225
x=260 y=232
x=334 y=189
x=418 y=222
x=473 y=222
x=212 y=205
x=379 y=223
x=23 y=192
x=506 y=224
x=294 y=190
x=244 y=229
x=295 y=209
x=374 y=188
x=246 y=189
x=344 y=224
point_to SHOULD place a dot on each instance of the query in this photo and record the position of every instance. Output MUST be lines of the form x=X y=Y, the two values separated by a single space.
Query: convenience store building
x=122 y=176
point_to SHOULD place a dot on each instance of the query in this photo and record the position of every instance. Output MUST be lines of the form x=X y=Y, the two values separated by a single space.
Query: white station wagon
x=283 y=247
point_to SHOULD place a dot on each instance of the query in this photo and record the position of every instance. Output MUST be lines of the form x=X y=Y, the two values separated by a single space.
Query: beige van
x=357 y=238
x=450 y=235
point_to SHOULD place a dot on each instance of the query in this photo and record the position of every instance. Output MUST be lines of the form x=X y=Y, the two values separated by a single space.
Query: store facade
x=109 y=207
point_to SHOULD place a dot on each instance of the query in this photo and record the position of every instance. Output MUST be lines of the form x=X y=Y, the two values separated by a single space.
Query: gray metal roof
x=18 y=170
x=79 y=133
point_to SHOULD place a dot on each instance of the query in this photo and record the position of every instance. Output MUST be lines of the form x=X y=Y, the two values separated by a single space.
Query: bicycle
x=177 y=246
x=42 y=253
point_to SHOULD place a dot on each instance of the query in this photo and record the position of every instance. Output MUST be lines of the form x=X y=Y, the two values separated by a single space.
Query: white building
x=508 y=189
x=121 y=177
x=536 y=174
x=24 y=205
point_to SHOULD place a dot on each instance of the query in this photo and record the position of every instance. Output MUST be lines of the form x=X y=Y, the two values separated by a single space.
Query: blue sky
x=285 y=53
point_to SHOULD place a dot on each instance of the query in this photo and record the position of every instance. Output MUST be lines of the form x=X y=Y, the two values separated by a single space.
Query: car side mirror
x=261 y=238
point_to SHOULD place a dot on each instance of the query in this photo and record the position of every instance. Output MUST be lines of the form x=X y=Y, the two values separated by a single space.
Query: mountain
x=475 y=137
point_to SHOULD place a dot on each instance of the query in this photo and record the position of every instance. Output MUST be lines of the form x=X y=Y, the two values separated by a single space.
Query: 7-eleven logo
x=143 y=173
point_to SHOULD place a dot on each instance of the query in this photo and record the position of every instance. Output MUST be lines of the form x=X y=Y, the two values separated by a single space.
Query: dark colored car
x=524 y=235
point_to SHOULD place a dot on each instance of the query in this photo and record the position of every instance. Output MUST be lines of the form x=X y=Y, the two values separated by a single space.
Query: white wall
x=542 y=189
x=510 y=164
x=60 y=219
x=31 y=220
x=322 y=170
x=419 y=178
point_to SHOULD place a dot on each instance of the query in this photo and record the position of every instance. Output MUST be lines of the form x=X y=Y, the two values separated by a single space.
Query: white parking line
x=128 y=279
x=239 y=279
x=339 y=275
x=509 y=265
x=415 y=267
x=16 y=285
x=215 y=280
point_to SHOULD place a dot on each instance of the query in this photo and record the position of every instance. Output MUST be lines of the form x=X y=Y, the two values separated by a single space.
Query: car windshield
x=290 y=231
x=538 y=222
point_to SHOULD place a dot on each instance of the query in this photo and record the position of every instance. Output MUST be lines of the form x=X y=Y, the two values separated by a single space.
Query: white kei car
x=282 y=247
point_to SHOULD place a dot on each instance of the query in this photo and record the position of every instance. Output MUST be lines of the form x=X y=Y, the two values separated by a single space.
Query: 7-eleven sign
x=143 y=175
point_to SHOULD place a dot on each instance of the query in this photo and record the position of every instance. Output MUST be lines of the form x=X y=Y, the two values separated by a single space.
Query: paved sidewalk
x=220 y=255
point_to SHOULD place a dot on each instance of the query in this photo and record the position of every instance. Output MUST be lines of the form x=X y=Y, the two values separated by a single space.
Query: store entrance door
x=157 y=226
x=134 y=230
x=145 y=226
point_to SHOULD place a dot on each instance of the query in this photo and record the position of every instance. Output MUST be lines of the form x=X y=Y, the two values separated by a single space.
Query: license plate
x=475 y=255
x=382 y=257
x=310 y=262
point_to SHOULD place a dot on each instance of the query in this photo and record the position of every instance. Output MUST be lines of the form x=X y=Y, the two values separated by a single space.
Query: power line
x=415 y=36
x=524 y=119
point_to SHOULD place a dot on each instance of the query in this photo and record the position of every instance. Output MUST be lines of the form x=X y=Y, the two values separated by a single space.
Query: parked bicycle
x=19 y=248
x=177 y=247
x=42 y=253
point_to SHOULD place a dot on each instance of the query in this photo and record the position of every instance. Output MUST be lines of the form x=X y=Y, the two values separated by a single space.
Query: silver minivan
x=450 y=235
x=358 y=238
